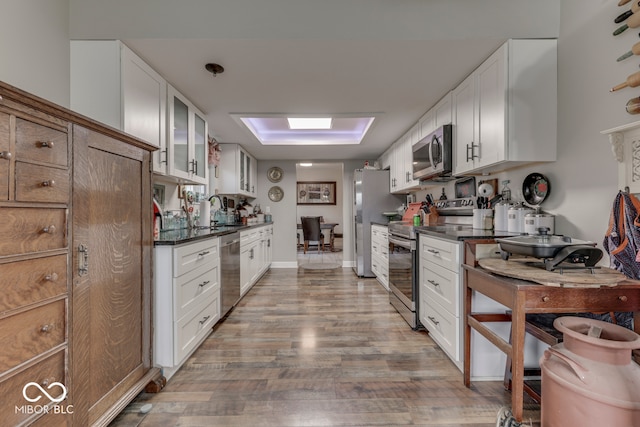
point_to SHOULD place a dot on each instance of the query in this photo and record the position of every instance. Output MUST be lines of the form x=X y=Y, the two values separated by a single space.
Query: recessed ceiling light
x=310 y=123
x=306 y=165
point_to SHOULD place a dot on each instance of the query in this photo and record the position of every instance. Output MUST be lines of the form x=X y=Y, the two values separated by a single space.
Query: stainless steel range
x=403 y=257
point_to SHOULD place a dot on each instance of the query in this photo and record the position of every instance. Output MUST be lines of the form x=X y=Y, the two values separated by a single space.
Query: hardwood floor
x=319 y=348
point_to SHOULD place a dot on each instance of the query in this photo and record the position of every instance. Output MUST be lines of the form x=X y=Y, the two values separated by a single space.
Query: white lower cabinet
x=186 y=300
x=255 y=255
x=380 y=254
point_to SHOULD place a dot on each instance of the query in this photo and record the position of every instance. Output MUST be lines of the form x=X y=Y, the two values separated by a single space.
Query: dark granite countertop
x=462 y=232
x=184 y=235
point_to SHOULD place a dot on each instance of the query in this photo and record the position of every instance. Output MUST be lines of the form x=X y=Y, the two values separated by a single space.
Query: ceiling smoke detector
x=214 y=68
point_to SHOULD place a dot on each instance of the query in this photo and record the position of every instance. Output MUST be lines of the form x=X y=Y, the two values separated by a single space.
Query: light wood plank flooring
x=319 y=348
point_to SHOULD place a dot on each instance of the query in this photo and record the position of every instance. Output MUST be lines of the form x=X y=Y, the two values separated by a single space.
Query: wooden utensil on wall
x=635 y=50
x=632 y=22
x=632 y=81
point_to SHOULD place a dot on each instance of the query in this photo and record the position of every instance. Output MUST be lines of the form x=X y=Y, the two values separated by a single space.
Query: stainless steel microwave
x=432 y=155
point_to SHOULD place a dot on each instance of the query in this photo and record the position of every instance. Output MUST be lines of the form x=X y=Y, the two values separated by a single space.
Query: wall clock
x=276 y=194
x=275 y=174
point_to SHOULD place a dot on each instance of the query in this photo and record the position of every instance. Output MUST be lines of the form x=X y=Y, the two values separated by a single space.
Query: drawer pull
x=46 y=144
x=203 y=253
x=49 y=229
x=433 y=282
x=5 y=155
x=545 y=298
x=49 y=183
x=46 y=328
x=623 y=298
x=433 y=251
x=433 y=319
x=203 y=321
x=53 y=277
x=203 y=284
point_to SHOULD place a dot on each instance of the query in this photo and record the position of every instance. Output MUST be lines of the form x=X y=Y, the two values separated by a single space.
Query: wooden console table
x=523 y=297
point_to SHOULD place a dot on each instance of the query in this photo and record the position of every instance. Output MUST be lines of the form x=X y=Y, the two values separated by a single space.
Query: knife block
x=431 y=217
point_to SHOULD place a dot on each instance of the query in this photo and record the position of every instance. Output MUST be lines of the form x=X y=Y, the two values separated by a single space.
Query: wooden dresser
x=75 y=265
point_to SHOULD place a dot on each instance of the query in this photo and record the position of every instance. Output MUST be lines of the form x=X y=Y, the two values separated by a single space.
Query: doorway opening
x=319 y=193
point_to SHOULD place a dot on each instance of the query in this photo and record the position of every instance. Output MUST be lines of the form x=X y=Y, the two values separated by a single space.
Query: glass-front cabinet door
x=199 y=165
x=187 y=139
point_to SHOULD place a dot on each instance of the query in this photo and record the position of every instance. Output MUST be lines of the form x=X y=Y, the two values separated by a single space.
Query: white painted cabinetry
x=113 y=85
x=187 y=139
x=255 y=255
x=401 y=166
x=439 y=291
x=186 y=300
x=505 y=112
x=238 y=171
x=380 y=253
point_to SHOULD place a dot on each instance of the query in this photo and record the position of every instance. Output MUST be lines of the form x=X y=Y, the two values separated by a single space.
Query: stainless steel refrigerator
x=371 y=198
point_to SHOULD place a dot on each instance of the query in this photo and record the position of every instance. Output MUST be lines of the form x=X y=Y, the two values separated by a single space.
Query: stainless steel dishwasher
x=229 y=271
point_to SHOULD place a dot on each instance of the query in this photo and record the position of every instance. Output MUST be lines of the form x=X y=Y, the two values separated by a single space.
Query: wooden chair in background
x=311 y=232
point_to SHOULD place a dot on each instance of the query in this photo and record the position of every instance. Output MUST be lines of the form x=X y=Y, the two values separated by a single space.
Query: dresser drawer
x=441 y=285
x=26 y=282
x=441 y=252
x=193 y=287
x=36 y=183
x=48 y=371
x=195 y=326
x=29 y=333
x=193 y=255
x=26 y=230
x=37 y=143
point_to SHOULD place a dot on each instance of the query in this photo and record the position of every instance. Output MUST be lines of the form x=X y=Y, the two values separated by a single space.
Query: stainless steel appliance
x=403 y=274
x=229 y=272
x=371 y=198
x=432 y=155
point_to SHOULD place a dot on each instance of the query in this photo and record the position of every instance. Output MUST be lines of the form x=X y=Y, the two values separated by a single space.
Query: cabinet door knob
x=49 y=183
x=53 y=277
x=5 y=155
x=46 y=328
x=623 y=298
x=49 y=229
x=46 y=144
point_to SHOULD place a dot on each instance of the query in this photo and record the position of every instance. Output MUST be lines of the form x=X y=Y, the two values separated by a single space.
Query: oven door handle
x=404 y=243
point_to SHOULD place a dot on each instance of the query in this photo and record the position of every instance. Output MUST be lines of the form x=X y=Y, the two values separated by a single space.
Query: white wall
x=34 y=47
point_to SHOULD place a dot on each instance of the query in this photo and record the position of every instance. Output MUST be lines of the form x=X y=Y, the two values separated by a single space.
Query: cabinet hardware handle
x=46 y=144
x=433 y=282
x=53 y=277
x=5 y=155
x=49 y=183
x=433 y=251
x=269 y=243
x=433 y=319
x=46 y=328
x=195 y=167
x=407 y=177
x=545 y=298
x=83 y=260
x=49 y=229
x=203 y=253
x=203 y=284
x=251 y=254
x=166 y=156
x=623 y=298
x=204 y=319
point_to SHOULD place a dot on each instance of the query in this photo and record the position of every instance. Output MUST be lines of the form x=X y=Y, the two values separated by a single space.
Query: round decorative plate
x=276 y=194
x=275 y=174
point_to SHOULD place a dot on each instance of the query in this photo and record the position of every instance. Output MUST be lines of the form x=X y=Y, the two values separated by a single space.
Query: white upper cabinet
x=238 y=171
x=505 y=112
x=187 y=140
x=111 y=84
x=442 y=112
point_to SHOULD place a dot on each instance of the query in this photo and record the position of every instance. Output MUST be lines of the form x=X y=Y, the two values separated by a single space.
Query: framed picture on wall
x=316 y=192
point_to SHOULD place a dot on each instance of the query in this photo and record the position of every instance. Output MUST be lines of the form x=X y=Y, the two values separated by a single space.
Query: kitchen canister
x=589 y=380
x=483 y=219
x=515 y=218
x=533 y=222
x=500 y=216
